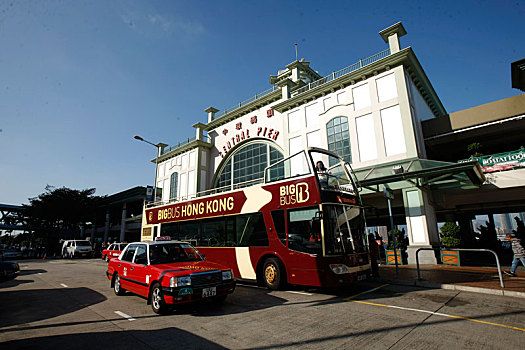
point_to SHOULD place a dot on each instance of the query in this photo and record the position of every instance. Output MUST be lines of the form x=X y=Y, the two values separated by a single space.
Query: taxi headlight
x=180 y=281
x=227 y=275
x=339 y=269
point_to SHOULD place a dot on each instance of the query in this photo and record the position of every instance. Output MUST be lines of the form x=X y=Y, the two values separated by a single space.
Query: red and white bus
x=300 y=225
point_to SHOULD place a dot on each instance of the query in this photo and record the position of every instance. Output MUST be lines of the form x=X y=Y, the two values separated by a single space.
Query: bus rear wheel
x=273 y=274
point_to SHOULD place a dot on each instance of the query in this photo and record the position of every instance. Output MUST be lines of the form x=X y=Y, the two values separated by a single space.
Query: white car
x=73 y=248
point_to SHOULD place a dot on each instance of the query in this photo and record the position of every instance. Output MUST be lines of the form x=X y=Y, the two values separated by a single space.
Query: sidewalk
x=473 y=279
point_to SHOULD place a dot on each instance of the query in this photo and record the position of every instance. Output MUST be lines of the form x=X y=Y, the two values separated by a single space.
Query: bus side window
x=251 y=231
x=213 y=233
x=279 y=223
x=190 y=232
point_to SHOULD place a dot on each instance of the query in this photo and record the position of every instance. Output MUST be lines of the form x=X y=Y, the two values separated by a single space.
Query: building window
x=339 y=137
x=246 y=165
x=174 y=181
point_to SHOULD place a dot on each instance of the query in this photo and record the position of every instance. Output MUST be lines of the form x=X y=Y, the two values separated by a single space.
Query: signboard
x=500 y=161
x=149 y=194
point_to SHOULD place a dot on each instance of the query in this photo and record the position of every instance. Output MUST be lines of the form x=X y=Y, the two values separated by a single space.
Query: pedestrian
x=322 y=174
x=517 y=240
x=374 y=254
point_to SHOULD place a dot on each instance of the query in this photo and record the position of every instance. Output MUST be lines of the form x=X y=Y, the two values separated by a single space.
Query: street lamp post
x=159 y=147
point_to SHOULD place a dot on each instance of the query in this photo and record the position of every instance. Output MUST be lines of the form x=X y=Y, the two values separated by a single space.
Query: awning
x=423 y=173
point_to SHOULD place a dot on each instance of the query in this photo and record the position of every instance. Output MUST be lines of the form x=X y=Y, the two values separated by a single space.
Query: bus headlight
x=180 y=281
x=339 y=269
x=227 y=275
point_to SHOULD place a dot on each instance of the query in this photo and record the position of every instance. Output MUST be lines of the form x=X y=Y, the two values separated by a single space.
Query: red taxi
x=113 y=250
x=168 y=273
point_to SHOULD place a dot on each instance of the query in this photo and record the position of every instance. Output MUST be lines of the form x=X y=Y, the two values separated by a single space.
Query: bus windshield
x=332 y=172
x=344 y=229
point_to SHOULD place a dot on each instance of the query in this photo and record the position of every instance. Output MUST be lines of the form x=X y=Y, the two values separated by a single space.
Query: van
x=73 y=248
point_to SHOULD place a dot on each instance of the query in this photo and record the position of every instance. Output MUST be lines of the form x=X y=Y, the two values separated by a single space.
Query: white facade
x=374 y=111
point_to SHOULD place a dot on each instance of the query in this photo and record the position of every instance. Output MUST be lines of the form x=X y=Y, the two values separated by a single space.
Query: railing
x=464 y=250
x=244 y=103
x=360 y=64
x=216 y=190
x=182 y=143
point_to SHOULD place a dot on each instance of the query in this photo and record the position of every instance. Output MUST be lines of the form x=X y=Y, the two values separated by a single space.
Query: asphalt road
x=68 y=304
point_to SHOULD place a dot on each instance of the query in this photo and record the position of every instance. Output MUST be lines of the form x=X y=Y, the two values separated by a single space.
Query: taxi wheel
x=117 y=288
x=273 y=274
x=157 y=300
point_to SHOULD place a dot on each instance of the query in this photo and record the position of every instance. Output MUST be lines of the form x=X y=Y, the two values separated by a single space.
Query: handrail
x=244 y=103
x=464 y=250
x=360 y=64
x=182 y=143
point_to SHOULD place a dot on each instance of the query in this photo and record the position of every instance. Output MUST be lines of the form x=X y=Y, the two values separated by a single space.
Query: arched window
x=339 y=137
x=247 y=164
x=174 y=181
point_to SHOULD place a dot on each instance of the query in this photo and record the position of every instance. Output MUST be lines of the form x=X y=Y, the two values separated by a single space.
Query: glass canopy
x=424 y=172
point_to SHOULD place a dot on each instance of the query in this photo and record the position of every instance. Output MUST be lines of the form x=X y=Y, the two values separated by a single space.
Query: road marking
x=40 y=273
x=294 y=292
x=128 y=317
x=439 y=314
x=365 y=292
x=63 y=285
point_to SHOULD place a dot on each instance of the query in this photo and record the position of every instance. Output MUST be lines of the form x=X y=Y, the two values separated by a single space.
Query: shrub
x=401 y=241
x=450 y=235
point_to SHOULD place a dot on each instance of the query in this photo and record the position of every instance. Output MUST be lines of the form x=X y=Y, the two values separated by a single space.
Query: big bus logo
x=294 y=193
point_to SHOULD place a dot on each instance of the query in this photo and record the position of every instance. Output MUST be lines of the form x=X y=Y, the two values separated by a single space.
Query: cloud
x=143 y=23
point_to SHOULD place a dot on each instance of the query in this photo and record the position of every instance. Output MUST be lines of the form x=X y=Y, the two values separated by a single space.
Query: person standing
x=517 y=240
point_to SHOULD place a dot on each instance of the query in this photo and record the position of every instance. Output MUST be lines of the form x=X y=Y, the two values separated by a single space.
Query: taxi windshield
x=172 y=253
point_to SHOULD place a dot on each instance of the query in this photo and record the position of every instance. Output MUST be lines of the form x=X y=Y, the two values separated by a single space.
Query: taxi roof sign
x=163 y=238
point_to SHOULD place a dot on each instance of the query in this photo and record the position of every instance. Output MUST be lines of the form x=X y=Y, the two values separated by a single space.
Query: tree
x=58 y=213
x=474 y=149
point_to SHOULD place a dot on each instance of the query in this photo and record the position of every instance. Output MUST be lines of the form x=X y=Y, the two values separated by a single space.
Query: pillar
x=123 y=224
x=93 y=230
x=391 y=36
x=211 y=113
x=106 y=226
x=421 y=226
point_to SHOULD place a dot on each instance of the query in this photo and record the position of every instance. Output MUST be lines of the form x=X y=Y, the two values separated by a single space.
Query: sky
x=78 y=79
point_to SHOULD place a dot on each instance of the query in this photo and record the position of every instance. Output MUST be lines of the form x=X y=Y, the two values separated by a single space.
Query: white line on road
x=294 y=292
x=128 y=317
x=63 y=285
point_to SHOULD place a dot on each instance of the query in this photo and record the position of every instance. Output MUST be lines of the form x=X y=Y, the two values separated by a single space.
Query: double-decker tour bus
x=302 y=224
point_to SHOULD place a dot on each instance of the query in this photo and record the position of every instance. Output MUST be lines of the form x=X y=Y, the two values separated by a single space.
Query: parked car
x=168 y=273
x=113 y=250
x=13 y=253
x=8 y=270
x=73 y=248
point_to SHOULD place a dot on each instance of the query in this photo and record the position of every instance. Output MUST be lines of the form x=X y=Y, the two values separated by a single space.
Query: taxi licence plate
x=209 y=292
x=361 y=277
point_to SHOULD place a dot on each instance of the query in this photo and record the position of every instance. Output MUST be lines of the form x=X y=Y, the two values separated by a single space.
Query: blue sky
x=79 y=78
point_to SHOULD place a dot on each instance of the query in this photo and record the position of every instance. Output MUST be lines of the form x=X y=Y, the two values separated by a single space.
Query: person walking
x=517 y=239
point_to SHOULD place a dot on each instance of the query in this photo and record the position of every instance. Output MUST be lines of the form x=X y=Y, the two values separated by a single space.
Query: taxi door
x=138 y=271
x=124 y=269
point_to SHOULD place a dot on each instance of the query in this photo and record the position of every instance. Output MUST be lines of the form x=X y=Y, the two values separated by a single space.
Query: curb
x=416 y=283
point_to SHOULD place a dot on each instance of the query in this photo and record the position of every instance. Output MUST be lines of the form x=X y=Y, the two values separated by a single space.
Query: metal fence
x=463 y=250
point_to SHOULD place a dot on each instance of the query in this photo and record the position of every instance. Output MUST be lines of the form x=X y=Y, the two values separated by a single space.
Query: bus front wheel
x=273 y=274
